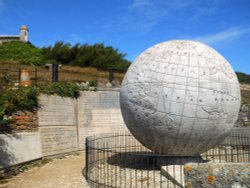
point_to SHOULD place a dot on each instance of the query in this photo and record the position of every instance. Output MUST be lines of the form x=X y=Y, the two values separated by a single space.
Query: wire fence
x=56 y=73
x=11 y=75
x=119 y=160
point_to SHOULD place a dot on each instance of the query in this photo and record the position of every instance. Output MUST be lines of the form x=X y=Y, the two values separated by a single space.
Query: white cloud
x=223 y=36
x=179 y=4
x=150 y=10
x=142 y=16
x=146 y=14
x=203 y=11
x=139 y=4
x=153 y=12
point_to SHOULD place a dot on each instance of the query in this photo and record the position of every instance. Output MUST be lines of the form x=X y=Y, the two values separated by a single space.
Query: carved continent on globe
x=180 y=98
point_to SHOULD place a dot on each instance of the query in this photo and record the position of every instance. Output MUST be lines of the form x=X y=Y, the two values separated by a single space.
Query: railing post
x=86 y=157
x=55 y=72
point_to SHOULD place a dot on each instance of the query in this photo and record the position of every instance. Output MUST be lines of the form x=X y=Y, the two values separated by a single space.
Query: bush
x=93 y=83
x=26 y=98
x=19 y=51
x=14 y=99
x=97 y=55
x=243 y=78
x=62 y=89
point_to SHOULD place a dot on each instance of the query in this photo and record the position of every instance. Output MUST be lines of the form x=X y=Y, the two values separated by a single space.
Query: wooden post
x=55 y=72
x=111 y=74
x=19 y=75
x=35 y=76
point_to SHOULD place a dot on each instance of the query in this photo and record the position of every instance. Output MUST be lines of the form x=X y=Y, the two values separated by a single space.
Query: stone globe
x=180 y=98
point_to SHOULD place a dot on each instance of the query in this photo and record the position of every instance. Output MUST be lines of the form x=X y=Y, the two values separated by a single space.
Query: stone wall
x=99 y=112
x=58 y=140
x=19 y=147
x=64 y=123
x=56 y=111
x=24 y=120
x=57 y=124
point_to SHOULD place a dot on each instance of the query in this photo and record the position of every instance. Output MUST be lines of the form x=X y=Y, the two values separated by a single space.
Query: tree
x=97 y=55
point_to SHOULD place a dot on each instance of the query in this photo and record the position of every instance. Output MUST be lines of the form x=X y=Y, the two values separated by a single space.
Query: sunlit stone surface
x=180 y=98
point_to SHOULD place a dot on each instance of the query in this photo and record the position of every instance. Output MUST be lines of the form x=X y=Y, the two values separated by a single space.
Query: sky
x=132 y=26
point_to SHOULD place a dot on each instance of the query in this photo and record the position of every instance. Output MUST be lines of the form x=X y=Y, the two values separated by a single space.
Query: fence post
x=86 y=157
x=19 y=75
x=55 y=72
x=111 y=74
x=35 y=76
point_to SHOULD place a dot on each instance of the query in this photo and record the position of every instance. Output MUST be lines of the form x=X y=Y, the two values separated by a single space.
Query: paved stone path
x=58 y=173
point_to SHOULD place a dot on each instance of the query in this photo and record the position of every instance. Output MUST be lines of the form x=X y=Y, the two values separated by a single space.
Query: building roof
x=23 y=27
x=9 y=36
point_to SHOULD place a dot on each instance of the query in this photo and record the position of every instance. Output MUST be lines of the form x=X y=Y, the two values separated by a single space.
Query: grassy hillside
x=243 y=78
x=9 y=73
x=98 y=55
x=80 y=62
x=245 y=93
x=25 y=53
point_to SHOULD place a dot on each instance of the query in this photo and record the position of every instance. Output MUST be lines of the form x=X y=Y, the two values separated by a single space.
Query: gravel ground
x=58 y=173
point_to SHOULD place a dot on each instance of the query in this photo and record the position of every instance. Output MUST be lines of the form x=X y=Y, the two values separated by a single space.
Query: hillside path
x=63 y=172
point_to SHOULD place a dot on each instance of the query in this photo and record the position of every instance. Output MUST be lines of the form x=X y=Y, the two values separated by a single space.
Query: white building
x=23 y=36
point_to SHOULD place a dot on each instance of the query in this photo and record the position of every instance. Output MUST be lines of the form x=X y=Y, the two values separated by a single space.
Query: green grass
x=22 y=52
x=9 y=73
x=245 y=93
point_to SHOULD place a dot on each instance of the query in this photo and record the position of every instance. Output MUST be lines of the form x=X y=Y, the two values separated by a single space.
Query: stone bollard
x=25 y=78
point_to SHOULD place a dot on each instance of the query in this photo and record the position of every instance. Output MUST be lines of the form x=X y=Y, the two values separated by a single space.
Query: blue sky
x=134 y=25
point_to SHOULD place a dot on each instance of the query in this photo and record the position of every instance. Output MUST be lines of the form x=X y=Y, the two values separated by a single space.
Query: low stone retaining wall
x=58 y=140
x=19 y=147
x=24 y=120
x=57 y=124
x=63 y=125
x=99 y=113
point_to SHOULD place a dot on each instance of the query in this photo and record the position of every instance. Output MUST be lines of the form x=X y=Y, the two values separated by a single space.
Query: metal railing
x=119 y=160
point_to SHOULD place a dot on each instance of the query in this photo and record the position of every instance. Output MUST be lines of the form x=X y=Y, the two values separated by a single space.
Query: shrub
x=26 y=98
x=98 y=55
x=93 y=83
x=63 y=89
x=19 y=98
x=243 y=78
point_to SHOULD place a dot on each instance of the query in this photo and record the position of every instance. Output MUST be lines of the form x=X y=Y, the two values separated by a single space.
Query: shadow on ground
x=134 y=160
